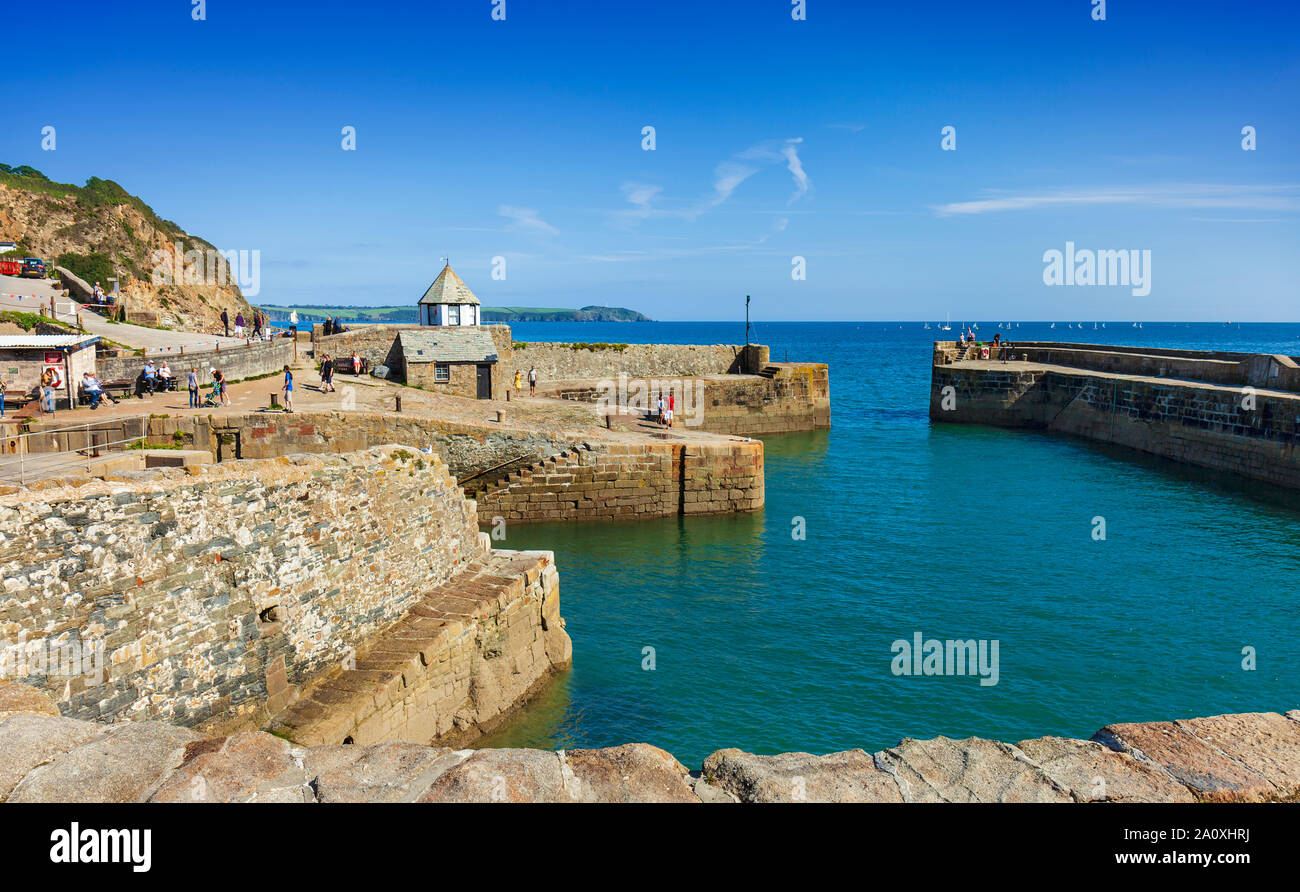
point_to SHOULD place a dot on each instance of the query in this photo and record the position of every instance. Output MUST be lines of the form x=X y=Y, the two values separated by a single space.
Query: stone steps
x=497 y=482
x=413 y=646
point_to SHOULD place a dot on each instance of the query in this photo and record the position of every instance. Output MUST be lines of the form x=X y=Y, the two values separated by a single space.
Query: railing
x=20 y=464
x=483 y=484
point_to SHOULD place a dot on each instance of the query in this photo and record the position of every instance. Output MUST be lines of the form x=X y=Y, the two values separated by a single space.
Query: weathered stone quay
x=226 y=595
x=1250 y=757
x=1237 y=413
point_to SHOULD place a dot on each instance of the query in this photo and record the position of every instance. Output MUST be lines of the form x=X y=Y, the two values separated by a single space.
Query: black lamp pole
x=746 y=320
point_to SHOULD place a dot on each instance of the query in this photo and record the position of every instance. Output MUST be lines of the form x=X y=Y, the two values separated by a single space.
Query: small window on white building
x=441 y=372
x=453 y=314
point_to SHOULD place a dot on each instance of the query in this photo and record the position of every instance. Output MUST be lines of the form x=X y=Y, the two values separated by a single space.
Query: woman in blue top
x=288 y=390
x=194 y=388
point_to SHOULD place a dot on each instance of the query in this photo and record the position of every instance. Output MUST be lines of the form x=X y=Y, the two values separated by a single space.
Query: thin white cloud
x=728 y=176
x=795 y=166
x=526 y=219
x=788 y=151
x=1266 y=197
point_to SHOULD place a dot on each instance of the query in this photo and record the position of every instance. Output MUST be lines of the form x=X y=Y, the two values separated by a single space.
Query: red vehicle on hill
x=30 y=267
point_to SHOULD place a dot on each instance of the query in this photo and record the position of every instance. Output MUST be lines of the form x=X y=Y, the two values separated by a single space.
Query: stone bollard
x=398 y=401
x=501 y=416
x=507 y=394
x=275 y=401
x=609 y=422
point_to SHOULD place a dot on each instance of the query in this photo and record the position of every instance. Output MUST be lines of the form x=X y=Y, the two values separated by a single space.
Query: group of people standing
x=254 y=330
x=258 y=327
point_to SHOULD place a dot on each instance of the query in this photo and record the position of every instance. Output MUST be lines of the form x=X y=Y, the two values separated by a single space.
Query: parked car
x=33 y=268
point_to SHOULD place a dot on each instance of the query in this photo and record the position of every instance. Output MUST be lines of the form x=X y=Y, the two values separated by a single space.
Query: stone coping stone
x=1207 y=771
x=970 y=770
x=118 y=766
x=849 y=776
x=1246 y=757
x=1093 y=773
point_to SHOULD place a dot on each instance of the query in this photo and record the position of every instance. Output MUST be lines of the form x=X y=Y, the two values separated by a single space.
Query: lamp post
x=746 y=320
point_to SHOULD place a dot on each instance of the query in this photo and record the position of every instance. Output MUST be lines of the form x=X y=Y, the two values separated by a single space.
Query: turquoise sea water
x=771 y=644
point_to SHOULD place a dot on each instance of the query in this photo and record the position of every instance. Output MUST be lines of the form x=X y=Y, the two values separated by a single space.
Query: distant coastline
x=316 y=313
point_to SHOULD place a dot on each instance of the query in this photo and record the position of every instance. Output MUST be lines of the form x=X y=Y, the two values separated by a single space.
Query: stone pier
x=1232 y=412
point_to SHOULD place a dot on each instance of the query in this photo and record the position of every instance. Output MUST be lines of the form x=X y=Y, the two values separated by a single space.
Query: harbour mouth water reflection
x=768 y=643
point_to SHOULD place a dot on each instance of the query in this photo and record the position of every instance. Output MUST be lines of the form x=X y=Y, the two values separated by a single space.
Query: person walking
x=519 y=381
x=225 y=322
x=239 y=324
x=2 y=397
x=288 y=390
x=47 y=391
x=532 y=380
x=672 y=405
x=219 y=381
x=327 y=375
x=257 y=325
x=192 y=380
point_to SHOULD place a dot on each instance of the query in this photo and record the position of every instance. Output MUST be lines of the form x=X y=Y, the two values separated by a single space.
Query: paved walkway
x=30 y=295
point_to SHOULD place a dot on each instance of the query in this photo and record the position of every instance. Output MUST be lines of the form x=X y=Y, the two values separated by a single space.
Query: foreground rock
x=1252 y=757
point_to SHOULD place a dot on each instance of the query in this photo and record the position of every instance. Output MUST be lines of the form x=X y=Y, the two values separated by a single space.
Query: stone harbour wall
x=797 y=397
x=1203 y=425
x=562 y=361
x=626 y=481
x=1248 y=757
x=786 y=397
x=465 y=449
x=212 y=593
x=245 y=361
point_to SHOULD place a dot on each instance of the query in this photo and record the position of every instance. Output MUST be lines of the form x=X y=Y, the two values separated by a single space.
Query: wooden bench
x=344 y=364
x=17 y=399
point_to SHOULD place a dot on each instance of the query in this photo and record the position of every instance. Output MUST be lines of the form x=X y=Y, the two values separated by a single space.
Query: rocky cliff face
x=100 y=230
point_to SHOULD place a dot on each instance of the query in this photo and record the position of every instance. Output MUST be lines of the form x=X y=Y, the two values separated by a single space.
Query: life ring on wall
x=56 y=375
x=984 y=352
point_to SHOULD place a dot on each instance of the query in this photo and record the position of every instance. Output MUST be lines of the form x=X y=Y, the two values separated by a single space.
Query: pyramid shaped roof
x=449 y=288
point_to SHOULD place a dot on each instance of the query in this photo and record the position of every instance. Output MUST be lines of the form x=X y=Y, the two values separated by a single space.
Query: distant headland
x=317 y=313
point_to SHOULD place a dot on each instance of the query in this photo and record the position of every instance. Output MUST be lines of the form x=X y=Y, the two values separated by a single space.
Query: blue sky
x=775 y=138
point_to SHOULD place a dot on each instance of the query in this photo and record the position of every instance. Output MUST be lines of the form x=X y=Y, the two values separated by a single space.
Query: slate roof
x=467 y=343
x=449 y=288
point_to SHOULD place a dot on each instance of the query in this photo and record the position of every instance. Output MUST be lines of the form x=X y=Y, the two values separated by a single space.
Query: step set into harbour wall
x=1236 y=413
x=1249 y=757
x=219 y=595
x=628 y=481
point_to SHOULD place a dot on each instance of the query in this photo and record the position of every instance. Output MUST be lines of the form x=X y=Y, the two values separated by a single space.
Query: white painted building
x=448 y=301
